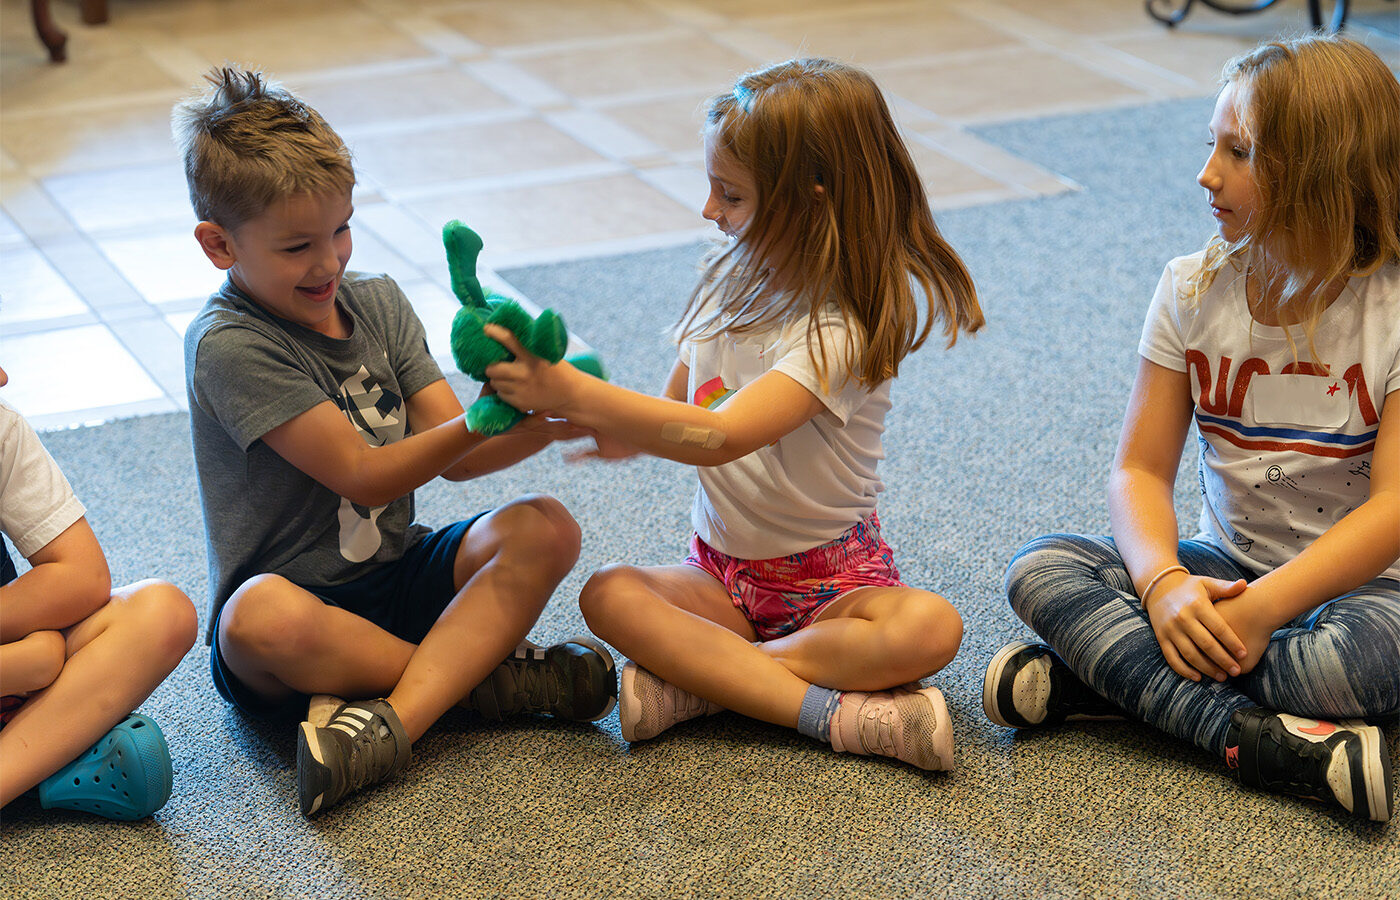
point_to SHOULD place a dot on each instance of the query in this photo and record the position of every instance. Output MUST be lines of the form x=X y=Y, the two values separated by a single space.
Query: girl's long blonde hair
x=864 y=241
x=1322 y=117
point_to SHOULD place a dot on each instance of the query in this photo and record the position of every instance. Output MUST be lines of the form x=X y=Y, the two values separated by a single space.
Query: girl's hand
x=1194 y=637
x=528 y=383
x=1242 y=614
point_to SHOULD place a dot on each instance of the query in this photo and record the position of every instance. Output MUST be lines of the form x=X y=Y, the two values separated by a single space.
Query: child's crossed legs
x=282 y=641
x=682 y=624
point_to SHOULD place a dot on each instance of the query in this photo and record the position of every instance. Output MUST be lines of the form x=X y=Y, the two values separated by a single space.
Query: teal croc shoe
x=125 y=775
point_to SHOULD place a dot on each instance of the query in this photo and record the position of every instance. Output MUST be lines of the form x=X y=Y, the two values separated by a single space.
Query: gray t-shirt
x=247 y=372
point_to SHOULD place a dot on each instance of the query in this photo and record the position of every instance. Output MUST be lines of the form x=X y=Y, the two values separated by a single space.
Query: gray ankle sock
x=818 y=706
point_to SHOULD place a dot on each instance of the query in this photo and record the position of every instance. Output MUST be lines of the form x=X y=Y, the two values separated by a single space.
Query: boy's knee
x=543 y=525
x=267 y=617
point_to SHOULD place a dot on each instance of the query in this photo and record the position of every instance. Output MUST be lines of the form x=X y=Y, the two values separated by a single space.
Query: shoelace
x=359 y=761
x=1310 y=779
x=685 y=704
x=533 y=684
x=876 y=728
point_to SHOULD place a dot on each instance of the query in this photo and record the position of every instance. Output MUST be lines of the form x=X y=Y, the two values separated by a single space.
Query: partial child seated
x=1269 y=636
x=316 y=410
x=76 y=656
x=789 y=607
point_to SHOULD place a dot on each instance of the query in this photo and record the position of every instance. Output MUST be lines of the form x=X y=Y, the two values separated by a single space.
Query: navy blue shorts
x=404 y=597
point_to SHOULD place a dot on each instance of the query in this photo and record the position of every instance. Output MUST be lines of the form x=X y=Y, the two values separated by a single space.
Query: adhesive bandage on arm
x=692 y=435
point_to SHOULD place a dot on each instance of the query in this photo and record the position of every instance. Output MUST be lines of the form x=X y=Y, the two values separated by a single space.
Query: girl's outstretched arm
x=437 y=403
x=1360 y=546
x=756 y=415
x=1195 y=639
x=610 y=448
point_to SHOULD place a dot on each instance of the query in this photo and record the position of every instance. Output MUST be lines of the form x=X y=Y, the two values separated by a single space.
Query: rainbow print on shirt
x=712 y=393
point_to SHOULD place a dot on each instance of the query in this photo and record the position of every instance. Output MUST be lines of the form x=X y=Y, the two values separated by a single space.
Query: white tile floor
x=557 y=128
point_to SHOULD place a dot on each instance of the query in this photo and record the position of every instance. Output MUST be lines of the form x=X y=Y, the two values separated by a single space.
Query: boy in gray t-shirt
x=316 y=411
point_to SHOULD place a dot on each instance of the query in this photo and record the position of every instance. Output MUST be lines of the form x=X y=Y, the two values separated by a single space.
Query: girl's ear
x=215 y=243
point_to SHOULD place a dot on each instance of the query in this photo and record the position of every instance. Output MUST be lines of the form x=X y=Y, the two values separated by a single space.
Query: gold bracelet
x=1147 y=591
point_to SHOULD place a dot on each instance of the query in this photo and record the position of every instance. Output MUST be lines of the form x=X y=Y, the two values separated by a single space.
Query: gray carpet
x=1005 y=436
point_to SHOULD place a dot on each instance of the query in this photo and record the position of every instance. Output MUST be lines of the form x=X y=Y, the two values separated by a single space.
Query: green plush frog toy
x=473 y=351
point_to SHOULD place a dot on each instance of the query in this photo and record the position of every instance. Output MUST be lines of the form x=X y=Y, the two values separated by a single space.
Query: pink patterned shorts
x=779 y=596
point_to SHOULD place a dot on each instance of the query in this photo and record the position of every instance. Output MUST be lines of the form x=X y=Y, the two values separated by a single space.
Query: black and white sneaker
x=1028 y=686
x=574 y=679
x=1345 y=762
x=364 y=744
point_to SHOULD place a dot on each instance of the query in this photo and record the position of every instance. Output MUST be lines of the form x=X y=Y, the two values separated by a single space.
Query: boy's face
x=290 y=258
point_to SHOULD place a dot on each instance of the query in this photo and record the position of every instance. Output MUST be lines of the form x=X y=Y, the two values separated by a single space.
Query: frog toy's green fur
x=473 y=351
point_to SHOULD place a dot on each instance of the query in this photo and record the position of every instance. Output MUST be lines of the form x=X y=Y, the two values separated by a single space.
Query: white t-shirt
x=36 y=502
x=1285 y=451
x=813 y=483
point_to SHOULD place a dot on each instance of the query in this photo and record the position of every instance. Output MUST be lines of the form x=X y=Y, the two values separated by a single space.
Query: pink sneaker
x=910 y=725
x=647 y=706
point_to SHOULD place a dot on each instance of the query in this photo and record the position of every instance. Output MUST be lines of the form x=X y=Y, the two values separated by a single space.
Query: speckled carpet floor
x=1006 y=436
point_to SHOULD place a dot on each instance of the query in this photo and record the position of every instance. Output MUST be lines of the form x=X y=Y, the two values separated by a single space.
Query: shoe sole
x=1376 y=775
x=628 y=715
x=609 y=669
x=943 y=733
x=313 y=776
x=991 y=682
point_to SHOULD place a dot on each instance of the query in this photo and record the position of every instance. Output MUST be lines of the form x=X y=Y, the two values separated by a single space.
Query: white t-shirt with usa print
x=1285 y=444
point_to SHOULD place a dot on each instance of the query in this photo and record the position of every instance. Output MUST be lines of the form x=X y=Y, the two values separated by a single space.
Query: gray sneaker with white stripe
x=575 y=679
x=364 y=744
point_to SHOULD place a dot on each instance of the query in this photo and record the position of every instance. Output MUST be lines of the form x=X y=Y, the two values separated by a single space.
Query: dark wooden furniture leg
x=49 y=33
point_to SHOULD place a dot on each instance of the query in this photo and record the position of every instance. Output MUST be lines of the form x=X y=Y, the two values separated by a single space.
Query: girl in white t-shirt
x=789 y=608
x=1281 y=341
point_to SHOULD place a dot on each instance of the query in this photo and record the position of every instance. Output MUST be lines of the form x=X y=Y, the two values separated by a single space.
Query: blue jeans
x=1339 y=660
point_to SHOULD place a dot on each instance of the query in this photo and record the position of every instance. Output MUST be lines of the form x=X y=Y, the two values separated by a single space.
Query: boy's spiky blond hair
x=247 y=141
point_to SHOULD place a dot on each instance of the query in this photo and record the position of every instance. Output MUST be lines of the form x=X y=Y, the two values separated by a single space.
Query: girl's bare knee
x=609 y=598
x=50 y=653
x=927 y=635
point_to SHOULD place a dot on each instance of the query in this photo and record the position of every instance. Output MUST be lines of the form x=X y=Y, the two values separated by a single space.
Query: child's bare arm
x=437 y=403
x=324 y=444
x=1194 y=638
x=32 y=662
x=758 y=414
x=611 y=448
x=69 y=581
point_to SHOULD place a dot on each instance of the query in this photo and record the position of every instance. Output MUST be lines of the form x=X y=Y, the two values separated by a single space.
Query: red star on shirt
x=1333 y=389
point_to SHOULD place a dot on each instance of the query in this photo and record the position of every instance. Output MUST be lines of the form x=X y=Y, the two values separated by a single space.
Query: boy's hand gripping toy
x=472 y=350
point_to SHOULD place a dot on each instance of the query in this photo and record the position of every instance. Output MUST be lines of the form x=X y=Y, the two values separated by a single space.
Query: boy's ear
x=214 y=241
